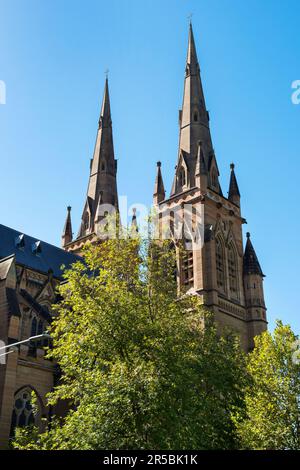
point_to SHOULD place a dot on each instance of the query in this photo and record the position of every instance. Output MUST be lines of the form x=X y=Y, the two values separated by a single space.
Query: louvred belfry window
x=220 y=265
x=187 y=269
x=233 y=272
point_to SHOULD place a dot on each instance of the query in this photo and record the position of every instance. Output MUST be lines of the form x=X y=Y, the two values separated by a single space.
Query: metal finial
x=106 y=73
x=190 y=18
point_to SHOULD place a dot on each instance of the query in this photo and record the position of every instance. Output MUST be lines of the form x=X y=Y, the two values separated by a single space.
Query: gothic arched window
x=220 y=264
x=23 y=413
x=172 y=224
x=40 y=329
x=233 y=272
x=195 y=116
x=172 y=250
x=38 y=326
x=34 y=325
x=187 y=269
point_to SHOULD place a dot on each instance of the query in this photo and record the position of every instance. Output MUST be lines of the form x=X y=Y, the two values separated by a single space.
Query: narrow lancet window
x=233 y=272
x=187 y=260
x=220 y=265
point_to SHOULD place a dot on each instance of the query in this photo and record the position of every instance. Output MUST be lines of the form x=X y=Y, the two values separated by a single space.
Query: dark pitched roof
x=47 y=257
x=251 y=263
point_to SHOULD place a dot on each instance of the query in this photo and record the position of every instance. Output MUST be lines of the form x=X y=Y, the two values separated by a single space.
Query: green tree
x=273 y=397
x=139 y=370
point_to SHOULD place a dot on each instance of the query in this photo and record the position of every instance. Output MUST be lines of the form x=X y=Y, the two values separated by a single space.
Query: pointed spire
x=105 y=115
x=159 y=189
x=102 y=187
x=191 y=60
x=251 y=263
x=193 y=120
x=194 y=114
x=234 y=192
x=67 y=235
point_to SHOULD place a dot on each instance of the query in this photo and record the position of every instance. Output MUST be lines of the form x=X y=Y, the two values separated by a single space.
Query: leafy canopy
x=273 y=397
x=139 y=370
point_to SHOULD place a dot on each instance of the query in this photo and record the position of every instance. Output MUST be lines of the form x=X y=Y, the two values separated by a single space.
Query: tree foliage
x=273 y=397
x=139 y=369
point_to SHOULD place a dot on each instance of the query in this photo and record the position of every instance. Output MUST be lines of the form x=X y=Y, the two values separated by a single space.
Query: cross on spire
x=190 y=17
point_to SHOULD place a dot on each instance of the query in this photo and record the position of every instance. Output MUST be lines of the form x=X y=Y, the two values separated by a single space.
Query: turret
x=233 y=193
x=159 y=189
x=67 y=235
x=102 y=187
x=254 y=292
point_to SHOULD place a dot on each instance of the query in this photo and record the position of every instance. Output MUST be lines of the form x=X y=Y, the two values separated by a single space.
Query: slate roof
x=47 y=257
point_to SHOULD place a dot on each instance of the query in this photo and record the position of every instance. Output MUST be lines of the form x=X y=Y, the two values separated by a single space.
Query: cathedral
x=225 y=275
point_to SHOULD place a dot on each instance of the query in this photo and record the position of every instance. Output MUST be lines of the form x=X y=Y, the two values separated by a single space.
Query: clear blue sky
x=53 y=55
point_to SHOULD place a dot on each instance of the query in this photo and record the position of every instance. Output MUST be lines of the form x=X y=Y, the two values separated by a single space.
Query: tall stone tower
x=229 y=281
x=102 y=194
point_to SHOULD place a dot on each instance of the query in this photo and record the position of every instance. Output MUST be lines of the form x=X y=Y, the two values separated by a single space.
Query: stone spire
x=193 y=121
x=105 y=115
x=103 y=171
x=159 y=189
x=234 y=192
x=67 y=235
x=251 y=264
